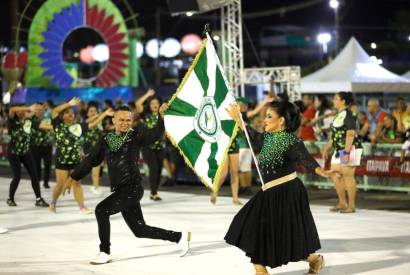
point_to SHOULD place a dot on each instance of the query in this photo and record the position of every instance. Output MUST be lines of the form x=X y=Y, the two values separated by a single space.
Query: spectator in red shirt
x=306 y=130
x=375 y=116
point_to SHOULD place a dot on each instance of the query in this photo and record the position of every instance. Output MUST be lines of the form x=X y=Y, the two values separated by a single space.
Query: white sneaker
x=103 y=258
x=85 y=211
x=184 y=243
x=95 y=191
x=3 y=230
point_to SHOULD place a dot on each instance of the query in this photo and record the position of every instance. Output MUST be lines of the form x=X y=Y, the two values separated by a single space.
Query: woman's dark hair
x=289 y=111
x=300 y=105
x=324 y=104
x=147 y=109
x=50 y=103
x=109 y=103
x=93 y=104
x=283 y=96
x=347 y=97
x=392 y=118
x=131 y=104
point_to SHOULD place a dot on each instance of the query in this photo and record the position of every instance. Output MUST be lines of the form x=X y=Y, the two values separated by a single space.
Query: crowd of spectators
x=375 y=124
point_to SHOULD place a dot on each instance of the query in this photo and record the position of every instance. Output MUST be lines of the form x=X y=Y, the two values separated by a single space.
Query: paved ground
x=368 y=242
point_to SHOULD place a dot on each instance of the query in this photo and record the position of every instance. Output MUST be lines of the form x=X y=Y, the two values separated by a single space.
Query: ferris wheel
x=46 y=27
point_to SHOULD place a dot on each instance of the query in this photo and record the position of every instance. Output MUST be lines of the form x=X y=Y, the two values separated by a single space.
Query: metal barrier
x=379 y=169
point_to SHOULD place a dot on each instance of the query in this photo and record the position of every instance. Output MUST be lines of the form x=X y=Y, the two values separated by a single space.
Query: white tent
x=406 y=75
x=353 y=70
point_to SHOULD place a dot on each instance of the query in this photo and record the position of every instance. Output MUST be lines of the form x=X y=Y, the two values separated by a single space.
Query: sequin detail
x=91 y=138
x=20 y=137
x=115 y=141
x=41 y=137
x=68 y=144
x=275 y=145
x=150 y=122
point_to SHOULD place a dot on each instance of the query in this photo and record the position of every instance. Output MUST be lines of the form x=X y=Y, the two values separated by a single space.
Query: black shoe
x=41 y=203
x=11 y=202
x=46 y=186
x=155 y=197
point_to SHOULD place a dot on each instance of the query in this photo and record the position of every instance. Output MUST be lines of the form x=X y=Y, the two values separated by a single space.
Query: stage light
x=86 y=55
x=191 y=43
x=324 y=38
x=334 y=4
x=170 y=48
x=151 y=48
x=100 y=53
x=373 y=45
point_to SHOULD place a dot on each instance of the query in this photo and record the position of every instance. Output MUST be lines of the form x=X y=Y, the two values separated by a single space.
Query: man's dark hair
x=123 y=108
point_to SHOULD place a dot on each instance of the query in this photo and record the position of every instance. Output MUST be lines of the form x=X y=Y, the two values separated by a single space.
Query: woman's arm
x=259 y=107
x=91 y=119
x=16 y=109
x=327 y=148
x=365 y=129
x=323 y=117
x=235 y=113
x=140 y=101
x=57 y=110
x=255 y=137
x=100 y=118
x=350 y=134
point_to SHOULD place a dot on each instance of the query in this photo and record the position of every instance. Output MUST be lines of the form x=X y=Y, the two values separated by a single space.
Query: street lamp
x=324 y=39
x=334 y=4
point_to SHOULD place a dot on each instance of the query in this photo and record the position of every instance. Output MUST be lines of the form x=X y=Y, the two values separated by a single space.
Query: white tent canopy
x=353 y=70
x=406 y=75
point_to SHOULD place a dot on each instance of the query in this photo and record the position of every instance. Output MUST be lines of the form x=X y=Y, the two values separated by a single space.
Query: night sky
x=356 y=16
x=367 y=20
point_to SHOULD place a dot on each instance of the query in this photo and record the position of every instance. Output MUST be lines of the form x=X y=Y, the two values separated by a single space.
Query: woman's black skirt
x=276 y=226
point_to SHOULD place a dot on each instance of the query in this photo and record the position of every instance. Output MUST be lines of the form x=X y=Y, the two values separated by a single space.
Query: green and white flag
x=197 y=122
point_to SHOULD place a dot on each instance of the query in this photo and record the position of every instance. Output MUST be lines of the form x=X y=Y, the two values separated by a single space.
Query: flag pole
x=205 y=34
x=253 y=153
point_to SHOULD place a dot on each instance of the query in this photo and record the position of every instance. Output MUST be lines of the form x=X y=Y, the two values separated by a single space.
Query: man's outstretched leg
x=135 y=221
x=126 y=200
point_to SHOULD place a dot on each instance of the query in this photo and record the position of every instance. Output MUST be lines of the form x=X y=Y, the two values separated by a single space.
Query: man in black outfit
x=121 y=149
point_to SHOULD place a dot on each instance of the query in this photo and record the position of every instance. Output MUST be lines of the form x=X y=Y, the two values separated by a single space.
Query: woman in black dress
x=276 y=226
